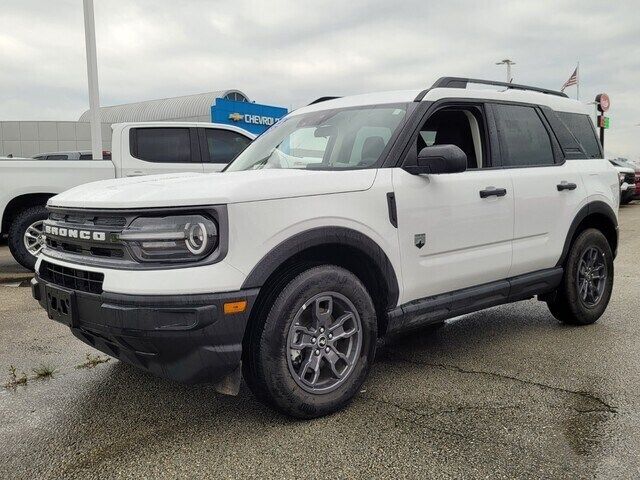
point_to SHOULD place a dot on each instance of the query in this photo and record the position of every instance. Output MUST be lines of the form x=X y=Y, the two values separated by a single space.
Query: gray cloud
x=289 y=52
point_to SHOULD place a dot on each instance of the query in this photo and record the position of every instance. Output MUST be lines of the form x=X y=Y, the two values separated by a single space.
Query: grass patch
x=44 y=371
x=93 y=360
x=14 y=379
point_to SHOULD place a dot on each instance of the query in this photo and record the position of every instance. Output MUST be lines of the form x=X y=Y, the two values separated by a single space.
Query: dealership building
x=231 y=107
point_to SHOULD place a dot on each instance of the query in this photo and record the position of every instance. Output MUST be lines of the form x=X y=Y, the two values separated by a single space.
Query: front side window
x=326 y=140
x=161 y=145
x=462 y=127
x=524 y=140
x=224 y=145
x=581 y=127
x=57 y=157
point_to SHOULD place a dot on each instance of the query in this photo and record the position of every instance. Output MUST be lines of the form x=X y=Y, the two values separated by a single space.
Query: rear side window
x=161 y=145
x=524 y=140
x=86 y=156
x=224 y=145
x=581 y=127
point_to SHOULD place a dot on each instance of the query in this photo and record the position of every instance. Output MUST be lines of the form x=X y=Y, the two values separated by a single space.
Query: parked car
x=627 y=178
x=350 y=219
x=142 y=148
x=75 y=155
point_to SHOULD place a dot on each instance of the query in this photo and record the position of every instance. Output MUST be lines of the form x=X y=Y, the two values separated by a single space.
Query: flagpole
x=578 y=82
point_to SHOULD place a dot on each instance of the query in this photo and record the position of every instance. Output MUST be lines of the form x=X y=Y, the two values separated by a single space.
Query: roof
x=173 y=108
x=553 y=101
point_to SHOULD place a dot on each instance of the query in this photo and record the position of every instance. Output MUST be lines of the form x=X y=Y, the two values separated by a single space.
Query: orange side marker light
x=235 y=307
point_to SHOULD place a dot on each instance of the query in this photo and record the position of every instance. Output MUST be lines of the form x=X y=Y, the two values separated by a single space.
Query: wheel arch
x=339 y=246
x=597 y=215
x=21 y=202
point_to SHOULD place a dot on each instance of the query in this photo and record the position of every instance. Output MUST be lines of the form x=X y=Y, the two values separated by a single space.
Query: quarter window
x=161 y=145
x=524 y=140
x=224 y=145
x=581 y=127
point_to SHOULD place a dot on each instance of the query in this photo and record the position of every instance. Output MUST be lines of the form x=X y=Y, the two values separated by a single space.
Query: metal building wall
x=27 y=138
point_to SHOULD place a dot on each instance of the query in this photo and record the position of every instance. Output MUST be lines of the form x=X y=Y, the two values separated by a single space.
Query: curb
x=15 y=278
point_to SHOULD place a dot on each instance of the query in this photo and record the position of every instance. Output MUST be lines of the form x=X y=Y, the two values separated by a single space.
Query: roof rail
x=322 y=99
x=461 y=82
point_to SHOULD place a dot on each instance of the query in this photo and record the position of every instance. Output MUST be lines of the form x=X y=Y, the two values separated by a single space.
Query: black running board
x=437 y=308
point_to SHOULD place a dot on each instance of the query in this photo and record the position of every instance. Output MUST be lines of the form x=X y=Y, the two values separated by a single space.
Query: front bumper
x=186 y=338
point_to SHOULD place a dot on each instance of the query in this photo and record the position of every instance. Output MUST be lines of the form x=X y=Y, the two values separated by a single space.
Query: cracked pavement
x=502 y=393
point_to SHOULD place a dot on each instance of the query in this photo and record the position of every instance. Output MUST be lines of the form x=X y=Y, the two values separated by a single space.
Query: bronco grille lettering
x=73 y=233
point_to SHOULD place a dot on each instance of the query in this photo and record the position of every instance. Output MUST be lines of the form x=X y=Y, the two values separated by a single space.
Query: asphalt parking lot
x=501 y=393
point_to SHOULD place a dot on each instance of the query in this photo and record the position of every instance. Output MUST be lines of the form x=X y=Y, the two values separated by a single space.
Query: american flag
x=573 y=80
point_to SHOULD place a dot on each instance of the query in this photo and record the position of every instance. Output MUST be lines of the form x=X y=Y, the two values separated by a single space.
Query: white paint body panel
x=355 y=199
x=543 y=215
x=468 y=238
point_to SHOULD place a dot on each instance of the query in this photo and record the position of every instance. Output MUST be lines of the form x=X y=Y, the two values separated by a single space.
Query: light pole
x=92 y=74
x=508 y=63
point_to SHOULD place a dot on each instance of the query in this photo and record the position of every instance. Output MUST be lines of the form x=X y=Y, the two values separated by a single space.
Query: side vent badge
x=420 y=239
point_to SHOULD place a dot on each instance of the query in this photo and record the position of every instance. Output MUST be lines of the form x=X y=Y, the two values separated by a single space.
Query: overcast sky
x=290 y=52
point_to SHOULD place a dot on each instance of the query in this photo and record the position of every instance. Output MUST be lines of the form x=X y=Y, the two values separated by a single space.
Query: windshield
x=325 y=140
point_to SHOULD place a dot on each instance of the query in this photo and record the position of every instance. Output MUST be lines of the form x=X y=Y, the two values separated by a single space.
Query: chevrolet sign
x=75 y=233
x=253 y=119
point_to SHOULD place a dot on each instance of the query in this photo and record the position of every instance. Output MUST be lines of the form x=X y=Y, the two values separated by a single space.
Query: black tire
x=17 y=231
x=266 y=359
x=567 y=304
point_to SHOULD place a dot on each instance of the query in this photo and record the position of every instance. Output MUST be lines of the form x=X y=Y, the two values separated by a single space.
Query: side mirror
x=439 y=159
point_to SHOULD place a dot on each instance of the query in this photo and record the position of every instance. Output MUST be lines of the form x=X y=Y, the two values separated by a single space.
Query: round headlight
x=197 y=238
x=171 y=238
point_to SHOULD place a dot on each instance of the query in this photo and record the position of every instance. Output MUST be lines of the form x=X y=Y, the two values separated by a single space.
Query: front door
x=455 y=230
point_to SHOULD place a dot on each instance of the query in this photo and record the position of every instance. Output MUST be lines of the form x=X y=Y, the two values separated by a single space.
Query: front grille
x=630 y=178
x=72 y=278
x=71 y=247
x=78 y=219
x=84 y=249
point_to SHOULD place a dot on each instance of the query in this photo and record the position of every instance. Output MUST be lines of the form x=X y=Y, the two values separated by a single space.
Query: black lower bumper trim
x=186 y=338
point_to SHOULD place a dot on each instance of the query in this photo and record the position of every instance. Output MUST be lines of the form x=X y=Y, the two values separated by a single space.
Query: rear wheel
x=26 y=235
x=585 y=290
x=311 y=353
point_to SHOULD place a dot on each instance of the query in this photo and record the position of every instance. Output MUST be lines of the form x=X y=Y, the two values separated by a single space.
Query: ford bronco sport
x=349 y=220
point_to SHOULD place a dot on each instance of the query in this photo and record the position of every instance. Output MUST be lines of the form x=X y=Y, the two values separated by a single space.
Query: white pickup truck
x=143 y=148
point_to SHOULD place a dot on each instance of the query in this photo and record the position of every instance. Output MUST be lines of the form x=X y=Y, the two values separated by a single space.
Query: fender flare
x=597 y=207
x=339 y=236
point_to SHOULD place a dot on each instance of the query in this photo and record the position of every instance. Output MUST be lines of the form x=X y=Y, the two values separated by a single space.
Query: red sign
x=602 y=99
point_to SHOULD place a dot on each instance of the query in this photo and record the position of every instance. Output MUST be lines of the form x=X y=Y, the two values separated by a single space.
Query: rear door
x=454 y=230
x=548 y=190
x=154 y=150
x=220 y=146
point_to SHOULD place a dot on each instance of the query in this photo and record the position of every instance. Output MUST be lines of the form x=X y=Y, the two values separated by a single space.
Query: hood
x=190 y=189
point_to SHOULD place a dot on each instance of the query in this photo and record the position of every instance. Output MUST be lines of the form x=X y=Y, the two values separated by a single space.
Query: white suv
x=349 y=220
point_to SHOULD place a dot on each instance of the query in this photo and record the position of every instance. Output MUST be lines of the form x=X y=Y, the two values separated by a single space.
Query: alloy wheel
x=591 y=276
x=324 y=342
x=34 y=238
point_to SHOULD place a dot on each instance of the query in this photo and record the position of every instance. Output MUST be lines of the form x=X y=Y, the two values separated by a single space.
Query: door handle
x=566 y=186
x=493 y=192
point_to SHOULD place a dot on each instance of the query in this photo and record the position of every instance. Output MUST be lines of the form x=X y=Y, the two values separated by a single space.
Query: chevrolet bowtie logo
x=236 y=117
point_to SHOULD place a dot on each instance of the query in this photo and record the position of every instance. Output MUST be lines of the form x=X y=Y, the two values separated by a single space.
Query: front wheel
x=585 y=290
x=312 y=352
x=26 y=235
